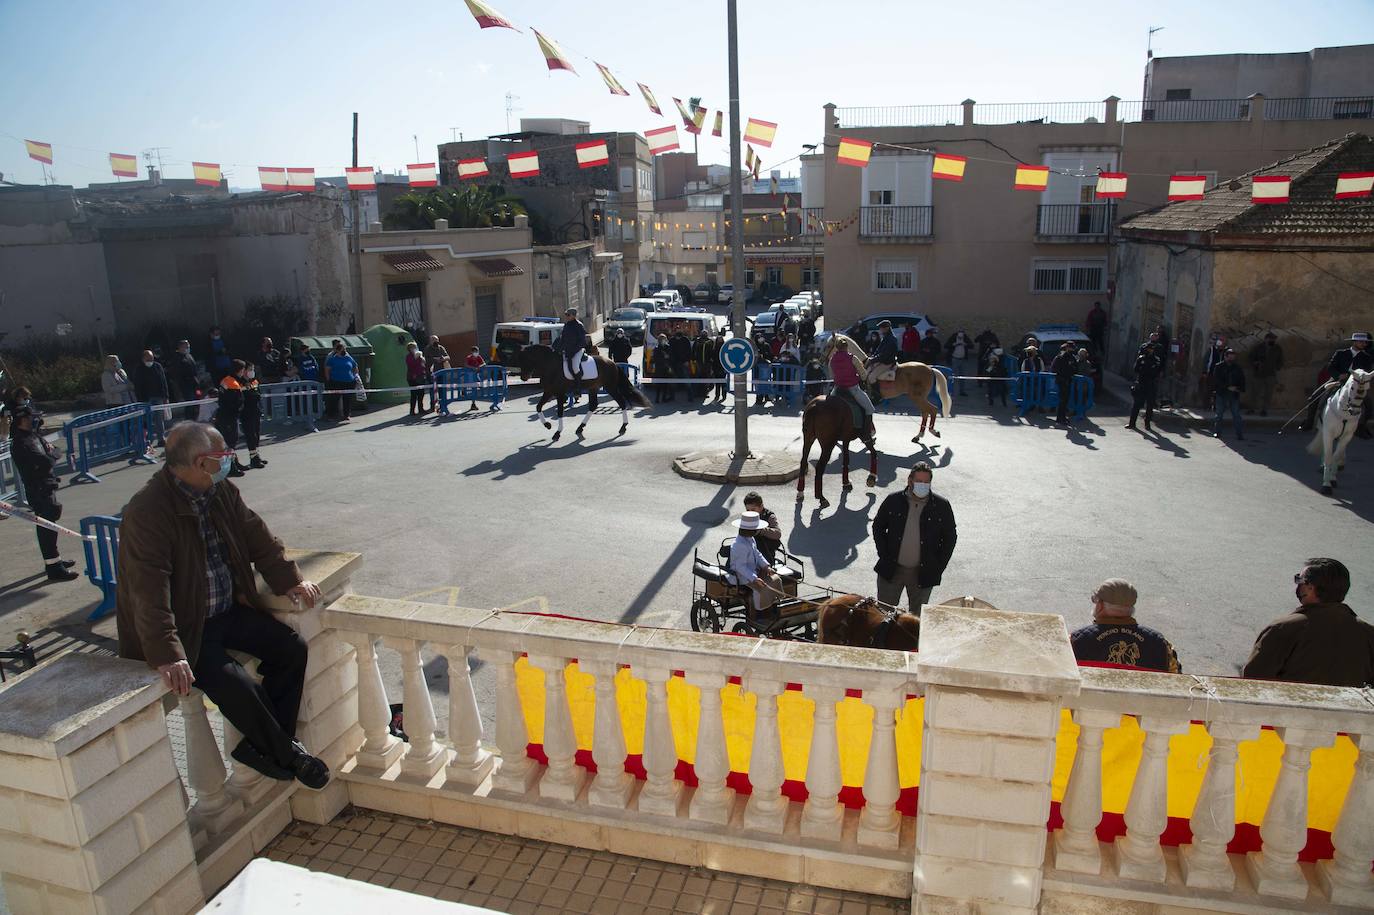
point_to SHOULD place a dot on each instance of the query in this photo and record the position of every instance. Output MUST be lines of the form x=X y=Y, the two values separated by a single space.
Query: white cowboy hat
x=1359 y=337
x=750 y=521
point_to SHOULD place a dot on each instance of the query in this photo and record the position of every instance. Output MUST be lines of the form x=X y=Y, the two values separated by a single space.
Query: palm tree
x=467 y=207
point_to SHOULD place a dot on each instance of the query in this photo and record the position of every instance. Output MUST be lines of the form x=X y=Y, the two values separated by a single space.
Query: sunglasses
x=1298 y=579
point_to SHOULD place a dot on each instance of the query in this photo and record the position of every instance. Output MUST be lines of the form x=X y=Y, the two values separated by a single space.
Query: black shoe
x=68 y=563
x=248 y=754
x=236 y=470
x=1131 y=426
x=257 y=463
x=309 y=770
x=59 y=572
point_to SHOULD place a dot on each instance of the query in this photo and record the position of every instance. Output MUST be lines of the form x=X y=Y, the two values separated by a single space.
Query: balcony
x=1074 y=222
x=896 y=224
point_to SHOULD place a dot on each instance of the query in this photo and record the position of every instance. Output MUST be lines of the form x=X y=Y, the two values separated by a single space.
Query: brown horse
x=914 y=379
x=542 y=361
x=860 y=622
x=830 y=420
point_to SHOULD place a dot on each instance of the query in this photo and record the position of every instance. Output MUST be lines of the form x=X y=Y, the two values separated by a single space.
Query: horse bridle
x=890 y=614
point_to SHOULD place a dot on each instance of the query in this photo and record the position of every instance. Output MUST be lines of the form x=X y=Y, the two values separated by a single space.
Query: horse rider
x=885 y=355
x=574 y=343
x=848 y=383
x=1342 y=363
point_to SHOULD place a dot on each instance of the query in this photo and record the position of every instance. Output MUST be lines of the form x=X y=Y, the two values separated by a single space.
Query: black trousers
x=46 y=507
x=417 y=397
x=252 y=429
x=228 y=426
x=264 y=713
x=1064 y=388
x=997 y=386
x=341 y=393
x=1143 y=396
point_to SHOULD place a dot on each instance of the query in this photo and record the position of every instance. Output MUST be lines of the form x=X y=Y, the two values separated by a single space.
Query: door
x=487 y=300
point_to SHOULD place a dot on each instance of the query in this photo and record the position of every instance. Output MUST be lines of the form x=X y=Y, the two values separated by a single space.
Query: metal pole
x=355 y=259
x=736 y=237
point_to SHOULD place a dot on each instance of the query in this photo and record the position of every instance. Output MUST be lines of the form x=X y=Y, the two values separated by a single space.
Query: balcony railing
x=1337 y=108
x=895 y=222
x=1085 y=221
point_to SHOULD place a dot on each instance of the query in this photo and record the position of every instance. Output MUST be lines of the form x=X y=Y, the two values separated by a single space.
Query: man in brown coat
x=187 y=597
x=1322 y=641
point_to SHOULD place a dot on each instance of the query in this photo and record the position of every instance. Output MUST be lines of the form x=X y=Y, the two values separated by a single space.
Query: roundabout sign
x=737 y=355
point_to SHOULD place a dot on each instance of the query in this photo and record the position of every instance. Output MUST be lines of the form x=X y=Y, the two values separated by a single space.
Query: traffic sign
x=737 y=356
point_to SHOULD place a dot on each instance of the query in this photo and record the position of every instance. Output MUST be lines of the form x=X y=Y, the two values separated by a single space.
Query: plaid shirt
x=219 y=592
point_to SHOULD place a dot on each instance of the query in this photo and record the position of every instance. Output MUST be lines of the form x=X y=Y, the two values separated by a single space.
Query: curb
x=765 y=469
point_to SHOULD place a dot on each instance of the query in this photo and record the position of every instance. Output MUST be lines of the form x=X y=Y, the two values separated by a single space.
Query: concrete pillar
x=995 y=684
x=1111 y=101
x=1256 y=108
x=968 y=104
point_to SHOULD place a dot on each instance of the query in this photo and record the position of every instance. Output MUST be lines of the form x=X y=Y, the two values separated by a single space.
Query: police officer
x=1145 y=386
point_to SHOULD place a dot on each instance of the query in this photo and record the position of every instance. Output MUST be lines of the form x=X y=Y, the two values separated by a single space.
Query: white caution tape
x=9 y=510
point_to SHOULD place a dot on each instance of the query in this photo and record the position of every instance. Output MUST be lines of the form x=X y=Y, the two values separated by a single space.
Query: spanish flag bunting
x=772 y=184
x=688 y=122
x=758 y=166
x=590 y=155
x=207 y=173
x=40 y=151
x=1354 y=184
x=760 y=132
x=523 y=164
x=649 y=98
x=854 y=152
x=611 y=82
x=487 y=17
x=124 y=166
x=699 y=119
x=748 y=160
x=423 y=174
x=662 y=139
x=1187 y=187
x=272 y=179
x=300 y=179
x=472 y=168
x=361 y=179
x=1031 y=177
x=948 y=168
x=554 y=56
x=1111 y=185
x=720 y=123
x=1270 y=189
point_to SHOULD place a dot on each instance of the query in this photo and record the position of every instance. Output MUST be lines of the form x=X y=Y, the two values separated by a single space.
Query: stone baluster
x=1274 y=869
x=879 y=823
x=1075 y=846
x=380 y=749
x=767 y=808
x=516 y=771
x=245 y=783
x=424 y=756
x=1139 y=856
x=822 y=816
x=562 y=779
x=1205 y=863
x=612 y=785
x=1346 y=878
x=470 y=763
x=215 y=808
x=712 y=801
x=661 y=789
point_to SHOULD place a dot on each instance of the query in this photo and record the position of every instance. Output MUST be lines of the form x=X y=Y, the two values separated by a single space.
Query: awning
x=497 y=266
x=411 y=261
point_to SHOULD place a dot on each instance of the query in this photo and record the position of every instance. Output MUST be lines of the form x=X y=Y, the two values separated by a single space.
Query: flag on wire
x=487 y=17
x=772 y=184
x=39 y=150
x=124 y=166
x=1187 y=187
x=760 y=132
x=758 y=167
x=948 y=168
x=854 y=152
x=662 y=139
x=612 y=83
x=272 y=179
x=720 y=124
x=361 y=178
x=1354 y=184
x=423 y=174
x=472 y=168
x=554 y=56
x=590 y=155
x=1031 y=177
x=649 y=98
x=523 y=164
x=1270 y=189
x=699 y=119
x=1111 y=185
x=748 y=158
x=300 y=179
x=688 y=122
x=207 y=173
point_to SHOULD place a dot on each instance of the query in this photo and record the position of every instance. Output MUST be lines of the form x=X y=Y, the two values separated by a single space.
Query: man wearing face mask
x=186 y=597
x=35 y=459
x=1322 y=641
x=915 y=534
x=150 y=387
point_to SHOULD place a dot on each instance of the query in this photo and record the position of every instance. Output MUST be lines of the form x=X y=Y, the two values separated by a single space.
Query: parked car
x=510 y=337
x=860 y=329
x=651 y=288
x=631 y=320
x=727 y=294
x=775 y=292
x=705 y=292
x=646 y=305
x=669 y=323
x=766 y=322
x=668 y=299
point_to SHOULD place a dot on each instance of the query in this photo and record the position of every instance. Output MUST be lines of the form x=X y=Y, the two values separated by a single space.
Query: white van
x=510 y=337
x=669 y=299
x=669 y=323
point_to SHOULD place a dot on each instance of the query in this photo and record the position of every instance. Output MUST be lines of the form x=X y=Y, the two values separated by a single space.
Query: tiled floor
x=516 y=875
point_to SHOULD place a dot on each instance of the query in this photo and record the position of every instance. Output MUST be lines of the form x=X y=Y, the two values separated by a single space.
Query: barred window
x=1088 y=276
x=894 y=276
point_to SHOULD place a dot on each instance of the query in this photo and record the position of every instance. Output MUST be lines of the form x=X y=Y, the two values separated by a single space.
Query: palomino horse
x=863 y=622
x=830 y=420
x=1336 y=424
x=914 y=379
x=542 y=361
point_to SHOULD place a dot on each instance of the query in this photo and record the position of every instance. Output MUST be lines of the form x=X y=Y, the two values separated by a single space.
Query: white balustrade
x=470 y=764
x=516 y=771
x=612 y=785
x=1139 y=856
x=245 y=783
x=822 y=815
x=380 y=749
x=713 y=799
x=879 y=822
x=767 y=808
x=661 y=789
x=1346 y=878
x=1274 y=868
x=424 y=756
x=215 y=808
x=562 y=779
x=1075 y=846
x=1205 y=862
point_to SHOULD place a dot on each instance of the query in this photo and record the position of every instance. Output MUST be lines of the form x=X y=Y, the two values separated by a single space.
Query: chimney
x=154 y=176
x=522 y=221
x=441 y=224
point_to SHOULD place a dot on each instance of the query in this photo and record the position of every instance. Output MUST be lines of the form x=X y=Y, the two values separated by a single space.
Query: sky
x=266 y=82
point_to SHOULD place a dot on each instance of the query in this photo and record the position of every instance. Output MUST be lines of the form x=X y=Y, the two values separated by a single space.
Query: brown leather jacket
x=162 y=586
x=1320 y=643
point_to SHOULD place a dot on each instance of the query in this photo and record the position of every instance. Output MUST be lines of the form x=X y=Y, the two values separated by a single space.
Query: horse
x=540 y=360
x=861 y=622
x=1336 y=424
x=830 y=420
x=914 y=379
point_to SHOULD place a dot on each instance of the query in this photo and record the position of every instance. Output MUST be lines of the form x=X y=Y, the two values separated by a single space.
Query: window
x=749 y=278
x=627 y=230
x=880 y=198
x=811 y=277
x=1069 y=276
x=405 y=304
x=627 y=178
x=646 y=184
x=894 y=276
x=775 y=276
x=1177 y=95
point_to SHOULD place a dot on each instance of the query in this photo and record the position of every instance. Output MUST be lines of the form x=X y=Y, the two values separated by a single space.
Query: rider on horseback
x=847 y=383
x=574 y=343
x=885 y=356
x=1343 y=361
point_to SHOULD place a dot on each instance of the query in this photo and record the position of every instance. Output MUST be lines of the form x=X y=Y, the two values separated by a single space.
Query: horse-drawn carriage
x=719 y=601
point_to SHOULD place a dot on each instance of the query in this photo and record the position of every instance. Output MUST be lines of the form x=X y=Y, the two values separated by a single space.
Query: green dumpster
x=388 y=361
x=358 y=346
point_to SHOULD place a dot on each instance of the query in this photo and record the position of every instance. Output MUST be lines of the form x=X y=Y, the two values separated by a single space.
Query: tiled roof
x=1312 y=208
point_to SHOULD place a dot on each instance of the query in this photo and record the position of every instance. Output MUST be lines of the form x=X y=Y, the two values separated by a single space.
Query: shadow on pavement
x=528 y=457
x=829 y=540
x=1287 y=454
x=697 y=520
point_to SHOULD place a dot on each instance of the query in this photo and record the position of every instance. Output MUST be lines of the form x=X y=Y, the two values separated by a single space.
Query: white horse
x=1336 y=424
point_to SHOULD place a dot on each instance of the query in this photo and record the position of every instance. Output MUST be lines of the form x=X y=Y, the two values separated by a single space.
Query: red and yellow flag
x=1270 y=189
x=948 y=168
x=699 y=119
x=39 y=151
x=423 y=174
x=272 y=179
x=361 y=178
x=590 y=155
x=1031 y=177
x=523 y=165
x=124 y=166
x=1187 y=187
x=688 y=122
x=1111 y=185
x=760 y=132
x=487 y=17
x=207 y=173
x=662 y=139
x=554 y=56
x=1354 y=184
x=854 y=152
x=611 y=82
x=649 y=98
x=301 y=180
x=720 y=120
x=472 y=168
x=748 y=158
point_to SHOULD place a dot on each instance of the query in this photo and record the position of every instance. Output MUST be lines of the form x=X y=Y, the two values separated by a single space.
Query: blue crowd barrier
x=294 y=401
x=104 y=435
x=631 y=372
x=487 y=384
x=11 y=484
x=1041 y=389
x=778 y=380
x=102 y=559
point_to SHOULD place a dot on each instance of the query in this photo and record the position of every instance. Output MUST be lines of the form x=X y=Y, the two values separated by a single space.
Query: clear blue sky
x=274 y=83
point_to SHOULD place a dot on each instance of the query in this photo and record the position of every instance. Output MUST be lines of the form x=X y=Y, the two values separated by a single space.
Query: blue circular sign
x=737 y=355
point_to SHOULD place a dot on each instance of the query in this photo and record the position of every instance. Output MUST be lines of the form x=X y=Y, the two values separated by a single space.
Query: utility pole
x=737 y=237
x=355 y=261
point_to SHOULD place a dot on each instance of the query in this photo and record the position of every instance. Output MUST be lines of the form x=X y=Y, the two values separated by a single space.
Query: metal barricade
x=487 y=384
x=294 y=401
x=1081 y=396
x=11 y=484
x=631 y=372
x=779 y=380
x=102 y=559
x=104 y=435
x=1033 y=389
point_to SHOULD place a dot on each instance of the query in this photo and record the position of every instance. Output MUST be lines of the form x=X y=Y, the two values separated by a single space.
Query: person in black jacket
x=915 y=534
x=184 y=378
x=250 y=417
x=229 y=408
x=1228 y=380
x=1356 y=356
x=1064 y=366
x=150 y=387
x=574 y=343
x=680 y=357
x=269 y=362
x=1143 y=388
x=884 y=355
x=35 y=459
x=620 y=348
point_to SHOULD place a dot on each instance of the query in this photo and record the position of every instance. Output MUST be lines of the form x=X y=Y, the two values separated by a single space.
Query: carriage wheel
x=743 y=627
x=705 y=616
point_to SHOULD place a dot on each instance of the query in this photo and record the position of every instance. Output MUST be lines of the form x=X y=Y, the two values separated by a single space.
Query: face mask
x=920 y=490
x=226 y=463
x=252 y=375
x=148 y=362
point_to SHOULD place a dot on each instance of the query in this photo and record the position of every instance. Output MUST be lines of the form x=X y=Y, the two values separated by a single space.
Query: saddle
x=588 y=368
x=842 y=394
x=887 y=373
